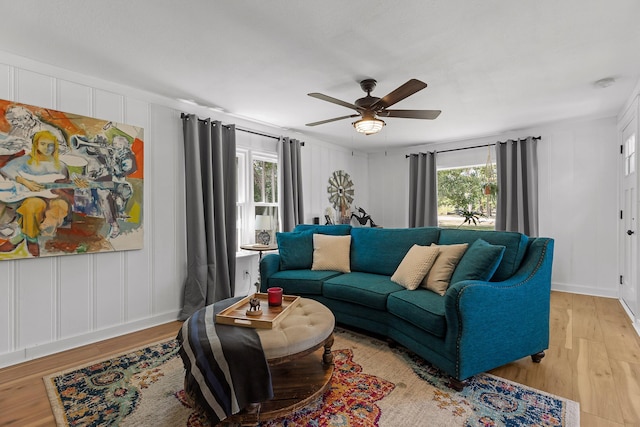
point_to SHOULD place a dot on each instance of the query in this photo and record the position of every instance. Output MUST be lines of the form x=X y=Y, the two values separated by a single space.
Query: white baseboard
x=634 y=322
x=582 y=290
x=585 y=290
x=34 y=352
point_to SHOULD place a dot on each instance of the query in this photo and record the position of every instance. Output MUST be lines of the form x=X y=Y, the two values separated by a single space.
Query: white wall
x=56 y=303
x=577 y=190
x=319 y=161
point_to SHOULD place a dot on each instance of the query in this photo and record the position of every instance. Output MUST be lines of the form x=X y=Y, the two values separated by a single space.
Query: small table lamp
x=263 y=223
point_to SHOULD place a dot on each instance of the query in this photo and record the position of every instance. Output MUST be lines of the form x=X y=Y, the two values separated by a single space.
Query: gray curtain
x=517 y=167
x=423 y=190
x=210 y=169
x=291 y=175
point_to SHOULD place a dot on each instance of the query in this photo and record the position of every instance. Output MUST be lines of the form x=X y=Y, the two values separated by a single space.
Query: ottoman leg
x=327 y=356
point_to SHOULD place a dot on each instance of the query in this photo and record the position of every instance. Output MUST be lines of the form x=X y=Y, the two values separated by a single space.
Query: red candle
x=274 y=295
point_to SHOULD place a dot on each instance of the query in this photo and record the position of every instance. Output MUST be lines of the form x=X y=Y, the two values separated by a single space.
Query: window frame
x=245 y=204
x=242 y=192
x=466 y=158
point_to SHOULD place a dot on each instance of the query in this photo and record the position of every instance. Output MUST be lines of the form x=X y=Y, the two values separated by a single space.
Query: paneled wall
x=319 y=161
x=55 y=303
x=578 y=199
x=58 y=302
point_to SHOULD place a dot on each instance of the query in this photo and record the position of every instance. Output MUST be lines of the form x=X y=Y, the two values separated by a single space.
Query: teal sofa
x=476 y=326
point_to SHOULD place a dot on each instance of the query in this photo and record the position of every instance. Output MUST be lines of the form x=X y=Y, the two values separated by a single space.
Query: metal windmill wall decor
x=341 y=193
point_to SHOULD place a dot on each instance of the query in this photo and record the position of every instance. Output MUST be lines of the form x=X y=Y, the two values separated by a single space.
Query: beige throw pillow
x=440 y=274
x=414 y=266
x=331 y=253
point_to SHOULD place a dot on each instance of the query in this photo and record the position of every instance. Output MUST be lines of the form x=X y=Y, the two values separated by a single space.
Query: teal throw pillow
x=296 y=250
x=479 y=262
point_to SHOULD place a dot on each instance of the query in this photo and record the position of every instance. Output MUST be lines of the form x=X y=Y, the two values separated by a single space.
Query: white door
x=629 y=223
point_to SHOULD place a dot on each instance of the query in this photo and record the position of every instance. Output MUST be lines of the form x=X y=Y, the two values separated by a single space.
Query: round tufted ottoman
x=299 y=373
x=308 y=326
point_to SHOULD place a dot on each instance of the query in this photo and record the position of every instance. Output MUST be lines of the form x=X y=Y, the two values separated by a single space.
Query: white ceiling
x=492 y=66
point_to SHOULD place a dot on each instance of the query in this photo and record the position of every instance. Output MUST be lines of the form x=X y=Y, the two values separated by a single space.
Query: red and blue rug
x=372 y=385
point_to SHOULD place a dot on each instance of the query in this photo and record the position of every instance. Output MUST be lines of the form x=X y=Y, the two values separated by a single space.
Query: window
x=467 y=197
x=265 y=198
x=257 y=205
x=630 y=155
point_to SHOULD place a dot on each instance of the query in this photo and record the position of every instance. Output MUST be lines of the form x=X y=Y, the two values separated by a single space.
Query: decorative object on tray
x=236 y=314
x=363 y=218
x=254 y=307
x=274 y=297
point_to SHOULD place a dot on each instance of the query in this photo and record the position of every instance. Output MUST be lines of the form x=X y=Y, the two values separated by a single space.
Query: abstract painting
x=69 y=184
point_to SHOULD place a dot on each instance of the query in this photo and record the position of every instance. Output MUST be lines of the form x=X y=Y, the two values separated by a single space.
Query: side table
x=260 y=249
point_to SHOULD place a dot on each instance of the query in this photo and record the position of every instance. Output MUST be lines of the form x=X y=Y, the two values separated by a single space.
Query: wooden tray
x=271 y=316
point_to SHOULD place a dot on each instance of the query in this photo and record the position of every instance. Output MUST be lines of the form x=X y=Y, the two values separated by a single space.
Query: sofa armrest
x=490 y=324
x=269 y=265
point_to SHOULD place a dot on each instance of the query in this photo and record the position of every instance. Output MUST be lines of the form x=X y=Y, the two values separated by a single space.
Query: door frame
x=627 y=119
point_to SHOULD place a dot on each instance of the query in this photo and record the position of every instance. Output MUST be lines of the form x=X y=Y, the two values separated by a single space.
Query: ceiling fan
x=369 y=106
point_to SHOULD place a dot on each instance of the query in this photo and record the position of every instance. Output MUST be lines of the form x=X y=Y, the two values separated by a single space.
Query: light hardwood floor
x=593 y=358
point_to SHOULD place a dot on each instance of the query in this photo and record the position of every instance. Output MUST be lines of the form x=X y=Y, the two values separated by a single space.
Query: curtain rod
x=475 y=146
x=183 y=115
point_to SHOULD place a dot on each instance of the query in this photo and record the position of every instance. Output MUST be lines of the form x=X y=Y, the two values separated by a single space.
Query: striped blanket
x=225 y=365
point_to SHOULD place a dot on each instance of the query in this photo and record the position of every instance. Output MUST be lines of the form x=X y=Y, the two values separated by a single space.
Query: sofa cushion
x=439 y=277
x=296 y=250
x=370 y=290
x=333 y=230
x=414 y=266
x=331 y=253
x=479 y=262
x=300 y=282
x=515 y=244
x=421 y=308
x=381 y=250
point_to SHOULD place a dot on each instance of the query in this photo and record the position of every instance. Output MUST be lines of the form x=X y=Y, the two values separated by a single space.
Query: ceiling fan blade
x=407 y=89
x=332 y=120
x=411 y=114
x=334 y=100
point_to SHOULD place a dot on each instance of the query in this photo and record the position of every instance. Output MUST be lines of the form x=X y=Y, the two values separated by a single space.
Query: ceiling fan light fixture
x=369 y=125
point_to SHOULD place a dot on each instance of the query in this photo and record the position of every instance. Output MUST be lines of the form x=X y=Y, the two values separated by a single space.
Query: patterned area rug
x=372 y=385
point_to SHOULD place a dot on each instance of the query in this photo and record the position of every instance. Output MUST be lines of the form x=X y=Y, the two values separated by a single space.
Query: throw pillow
x=440 y=274
x=296 y=250
x=331 y=253
x=414 y=266
x=479 y=262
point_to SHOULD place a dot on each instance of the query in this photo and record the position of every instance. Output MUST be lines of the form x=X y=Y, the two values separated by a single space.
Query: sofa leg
x=391 y=343
x=537 y=357
x=456 y=384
